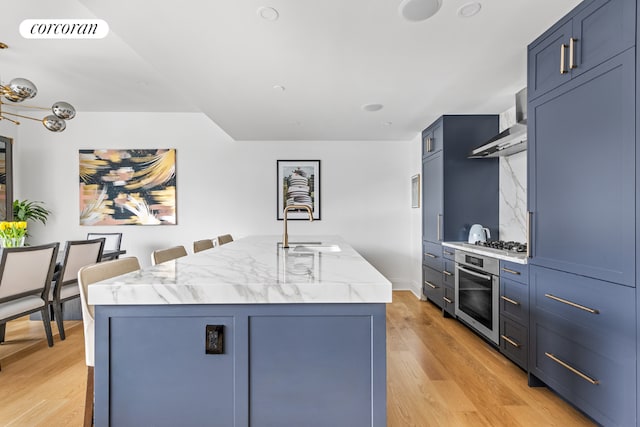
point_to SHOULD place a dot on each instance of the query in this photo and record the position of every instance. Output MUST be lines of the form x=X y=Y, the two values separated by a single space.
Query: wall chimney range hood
x=511 y=140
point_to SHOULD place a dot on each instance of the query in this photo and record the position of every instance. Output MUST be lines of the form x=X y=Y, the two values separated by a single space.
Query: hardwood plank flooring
x=439 y=373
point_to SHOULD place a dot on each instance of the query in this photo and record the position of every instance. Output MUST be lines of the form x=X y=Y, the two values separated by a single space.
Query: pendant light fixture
x=21 y=89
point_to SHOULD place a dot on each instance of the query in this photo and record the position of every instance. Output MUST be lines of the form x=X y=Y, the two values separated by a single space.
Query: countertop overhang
x=253 y=270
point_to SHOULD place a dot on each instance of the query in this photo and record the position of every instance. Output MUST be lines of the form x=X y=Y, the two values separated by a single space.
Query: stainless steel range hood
x=511 y=140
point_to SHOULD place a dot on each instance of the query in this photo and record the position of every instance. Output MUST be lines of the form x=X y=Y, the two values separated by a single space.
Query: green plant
x=24 y=210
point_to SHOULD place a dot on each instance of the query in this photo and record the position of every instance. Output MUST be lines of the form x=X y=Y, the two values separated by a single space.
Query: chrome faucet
x=285 y=235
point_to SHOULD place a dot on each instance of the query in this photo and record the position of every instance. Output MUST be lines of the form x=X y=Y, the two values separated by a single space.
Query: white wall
x=230 y=187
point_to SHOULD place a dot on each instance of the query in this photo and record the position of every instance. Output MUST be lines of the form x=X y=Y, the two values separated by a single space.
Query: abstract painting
x=299 y=184
x=128 y=187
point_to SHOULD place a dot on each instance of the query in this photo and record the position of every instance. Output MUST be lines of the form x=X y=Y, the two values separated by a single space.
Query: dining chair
x=163 y=255
x=87 y=276
x=112 y=242
x=225 y=238
x=77 y=254
x=202 y=245
x=25 y=281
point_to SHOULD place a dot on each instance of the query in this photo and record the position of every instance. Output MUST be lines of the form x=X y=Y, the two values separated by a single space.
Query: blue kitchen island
x=245 y=334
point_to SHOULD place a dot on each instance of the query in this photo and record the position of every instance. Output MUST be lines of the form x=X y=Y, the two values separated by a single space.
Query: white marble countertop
x=253 y=270
x=517 y=257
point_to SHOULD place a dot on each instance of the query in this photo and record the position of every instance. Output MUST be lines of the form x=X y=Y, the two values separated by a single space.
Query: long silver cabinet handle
x=438 y=226
x=447 y=300
x=447 y=273
x=573 y=304
x=509 y=300
x=430 y=255
x=572 y=53
x=563 y=48
x=508 y=270
x=572 y=369
x=430 y=285
x=510 y=341
x=473 y=273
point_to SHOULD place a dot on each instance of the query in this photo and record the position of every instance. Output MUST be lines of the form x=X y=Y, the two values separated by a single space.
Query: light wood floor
x=438 y=374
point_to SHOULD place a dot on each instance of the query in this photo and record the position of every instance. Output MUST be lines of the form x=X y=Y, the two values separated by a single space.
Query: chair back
x=27 y=271
x=164 y=255
x=225 y=238
x=112 y=240
x=77 y=254
x=89 y=275
x=202 y=245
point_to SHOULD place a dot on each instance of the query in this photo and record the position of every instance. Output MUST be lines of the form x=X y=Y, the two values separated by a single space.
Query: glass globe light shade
x=63 y=110
x=54 y=124
x=23 y=88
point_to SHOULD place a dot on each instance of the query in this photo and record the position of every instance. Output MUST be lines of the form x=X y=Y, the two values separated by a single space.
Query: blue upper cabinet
x=457 y=191
x=582 y=174
x=596 y=31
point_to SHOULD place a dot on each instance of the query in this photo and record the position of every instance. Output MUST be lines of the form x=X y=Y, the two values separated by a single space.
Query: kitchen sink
x=313 y=247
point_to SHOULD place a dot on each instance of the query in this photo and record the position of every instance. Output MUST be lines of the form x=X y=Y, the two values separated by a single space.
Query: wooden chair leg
x=57 y=310
x=3 y=329
x=47 y=325
x=88 y=399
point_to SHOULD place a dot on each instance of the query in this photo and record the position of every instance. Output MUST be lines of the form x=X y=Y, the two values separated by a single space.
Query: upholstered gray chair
x=164 y=255
x=77 y=254
x=25 y=281
x=202 y=245
x=87 y=276
x=225 y=238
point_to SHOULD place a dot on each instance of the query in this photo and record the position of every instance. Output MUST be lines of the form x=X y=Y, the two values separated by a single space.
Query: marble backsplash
x=513 y=190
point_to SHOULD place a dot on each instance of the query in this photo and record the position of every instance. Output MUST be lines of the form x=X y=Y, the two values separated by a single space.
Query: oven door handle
x=473 y=273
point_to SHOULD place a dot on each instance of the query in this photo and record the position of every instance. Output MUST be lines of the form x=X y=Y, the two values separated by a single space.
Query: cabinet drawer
x=432 y=255
x=513 y=342
x=448 y=253
x=584 y=304
x=432 y=285
x=448 y=300
x=514 y=301
x=600 y=384
x=449 y=273
x=514 y=271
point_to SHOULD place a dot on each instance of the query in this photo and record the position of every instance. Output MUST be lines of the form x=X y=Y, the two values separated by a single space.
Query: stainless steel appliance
x=478 y=233
x=477 y=291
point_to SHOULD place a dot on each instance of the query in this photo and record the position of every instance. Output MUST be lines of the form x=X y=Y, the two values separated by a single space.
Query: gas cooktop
x=504 y=246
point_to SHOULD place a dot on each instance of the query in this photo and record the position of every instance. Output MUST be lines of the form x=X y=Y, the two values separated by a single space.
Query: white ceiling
x=331 y=56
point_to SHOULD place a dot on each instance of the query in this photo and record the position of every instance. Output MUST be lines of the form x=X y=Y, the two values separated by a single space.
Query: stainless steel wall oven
x=477 y=288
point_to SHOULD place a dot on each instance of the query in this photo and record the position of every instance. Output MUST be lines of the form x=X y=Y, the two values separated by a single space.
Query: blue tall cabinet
x=456 y=192
x=582 y=161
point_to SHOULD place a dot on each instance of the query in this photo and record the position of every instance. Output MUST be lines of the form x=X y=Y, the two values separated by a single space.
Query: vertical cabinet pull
x=438 y=230
x=563 y=70
x=572 y=53
x=529 y=222
x=572 y=369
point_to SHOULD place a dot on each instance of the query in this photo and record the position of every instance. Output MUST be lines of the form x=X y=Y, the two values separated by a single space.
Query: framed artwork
x=415 y=191
x=298 y=184
x=128 y=187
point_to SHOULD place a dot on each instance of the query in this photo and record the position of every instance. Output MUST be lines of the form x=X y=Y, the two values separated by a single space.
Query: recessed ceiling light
x=470 y=9
x=418 y=10
x=279 y=87
x=388 y=123
x=372 y=107
x=268 y=13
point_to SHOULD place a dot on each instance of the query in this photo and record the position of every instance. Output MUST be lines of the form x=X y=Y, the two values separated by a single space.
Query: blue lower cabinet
x=432 y=285
x=514 y=301
x=449 y=301
x=514 y=342
x=312 y=365
x=583 y=343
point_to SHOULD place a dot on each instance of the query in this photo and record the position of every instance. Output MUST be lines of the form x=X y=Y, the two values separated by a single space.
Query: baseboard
x=403 y=285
